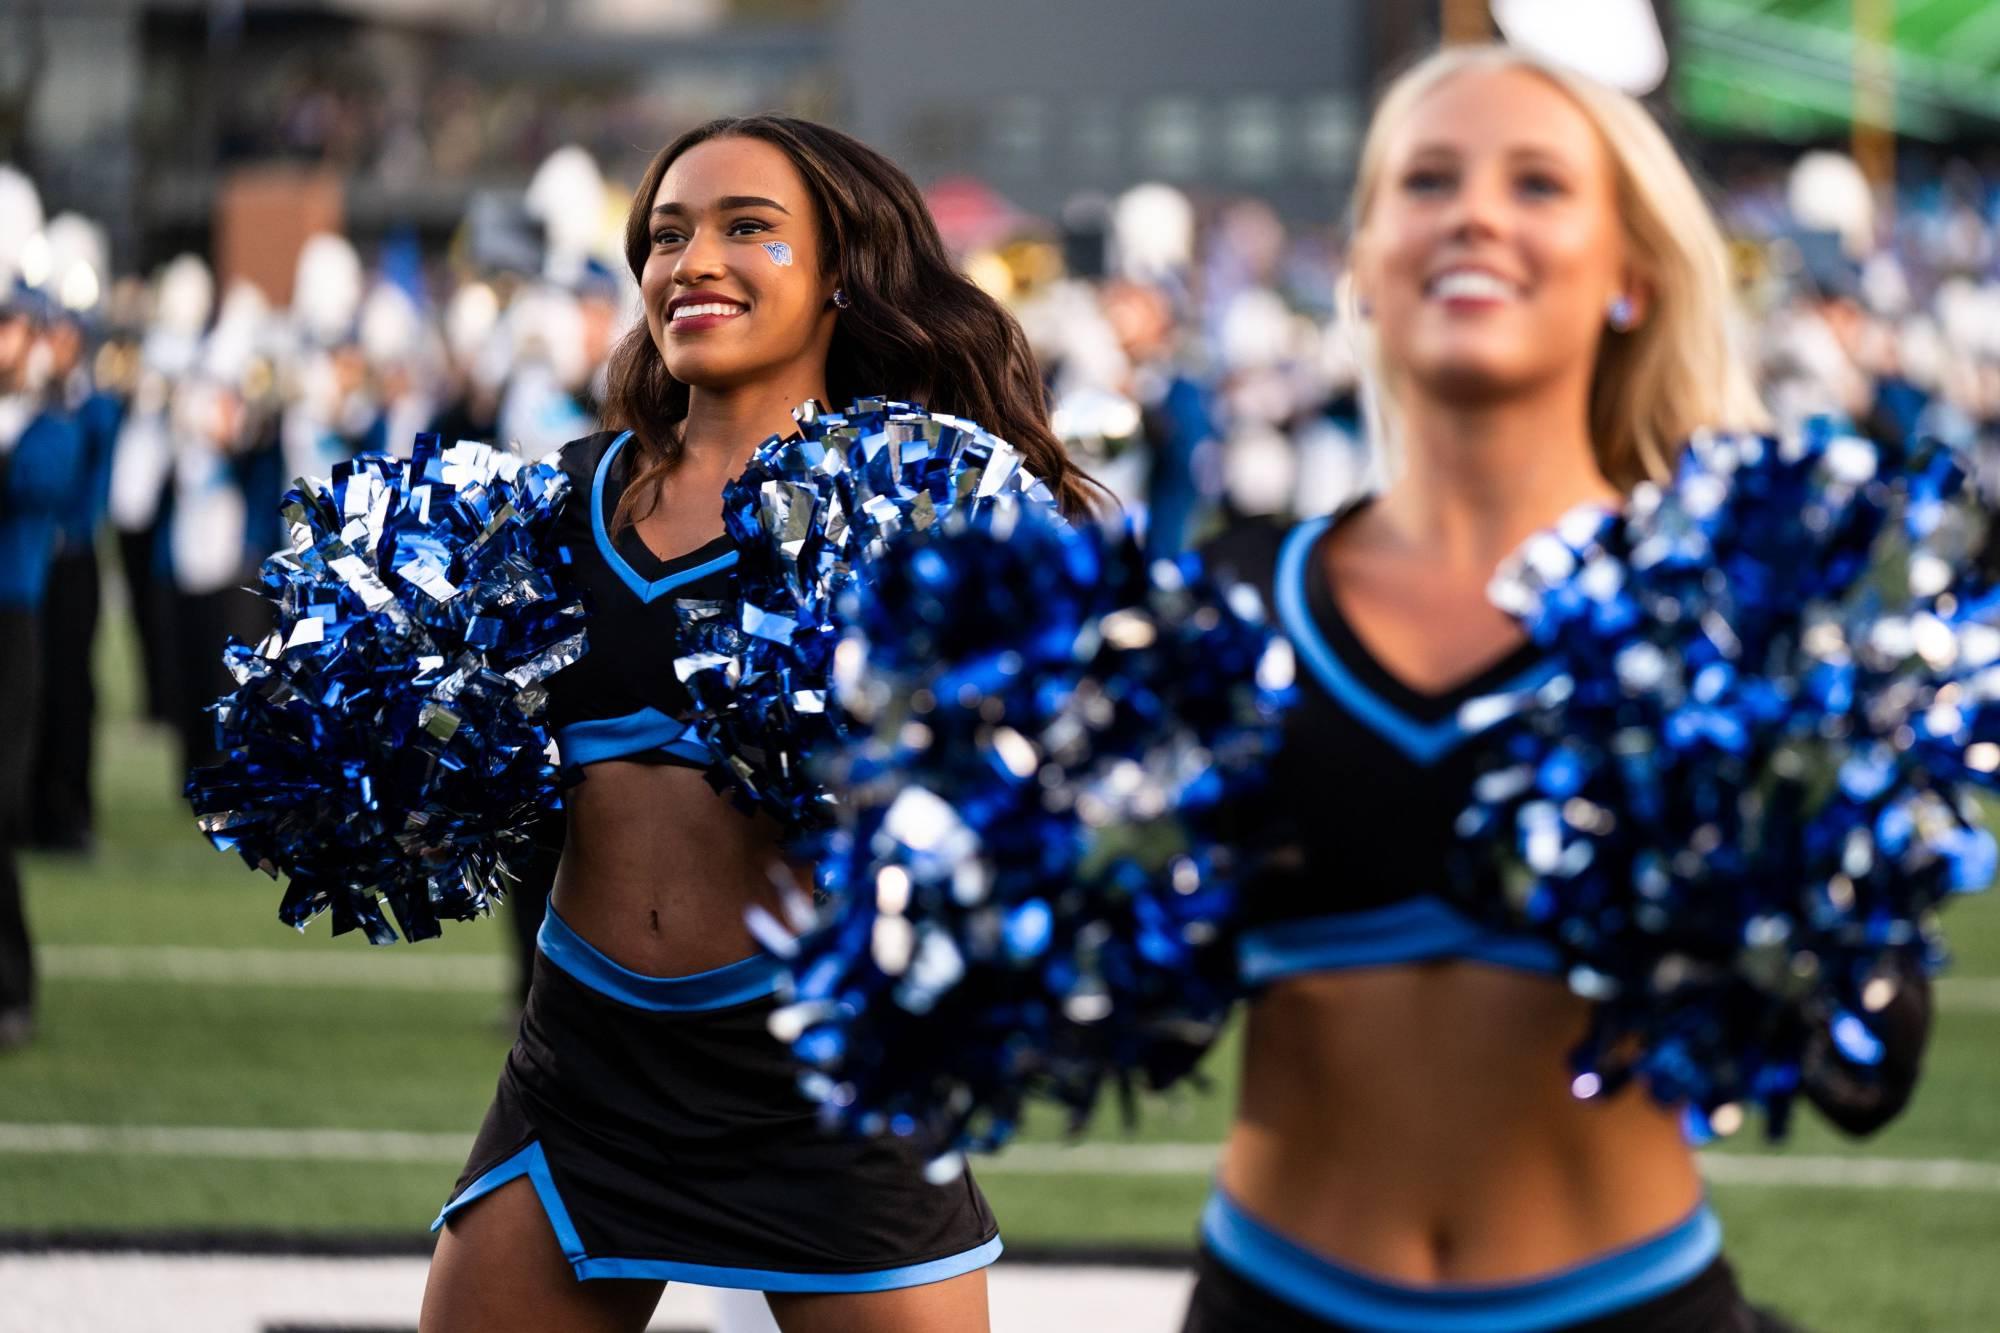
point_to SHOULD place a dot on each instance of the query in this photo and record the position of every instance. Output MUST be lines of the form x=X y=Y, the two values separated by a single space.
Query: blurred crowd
x=1891 y=317
x=438 y=125
x=1195 y=355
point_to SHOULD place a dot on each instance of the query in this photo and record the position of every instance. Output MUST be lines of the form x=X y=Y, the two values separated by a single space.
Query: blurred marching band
x=1196 y=361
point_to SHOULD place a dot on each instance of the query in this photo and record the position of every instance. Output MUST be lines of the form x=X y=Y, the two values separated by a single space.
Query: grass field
x=174 y=999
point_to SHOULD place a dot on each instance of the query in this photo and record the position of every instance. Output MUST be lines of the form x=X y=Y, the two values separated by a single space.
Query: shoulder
x=1250 y=551
x=580 y=457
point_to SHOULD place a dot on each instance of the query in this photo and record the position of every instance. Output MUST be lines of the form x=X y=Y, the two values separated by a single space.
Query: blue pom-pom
x=385 y=746
x=809 y=511
x=1749 y=783
x=1030 y=891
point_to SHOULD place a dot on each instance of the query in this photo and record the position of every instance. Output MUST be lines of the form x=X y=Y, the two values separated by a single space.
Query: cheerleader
x=647 y=1126
x=1544 y=302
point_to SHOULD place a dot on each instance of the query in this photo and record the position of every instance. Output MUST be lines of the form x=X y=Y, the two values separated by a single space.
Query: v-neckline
x=1425 y=705
x=647 y=574
x=1421 y=705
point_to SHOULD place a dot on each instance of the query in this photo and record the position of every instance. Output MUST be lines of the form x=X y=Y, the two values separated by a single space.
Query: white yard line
x=226 y=1144
x=1088 y=1159
x=1971 y=994
x=90 y=1293
x=1852 y=1172
x=1101 y=1159
x=1724 y=1168
x=361 y=968
x=410 y=968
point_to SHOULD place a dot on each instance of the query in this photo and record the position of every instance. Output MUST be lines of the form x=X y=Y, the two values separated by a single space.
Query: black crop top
x=1369 y=779
x=1368 y=783
x=621 y=699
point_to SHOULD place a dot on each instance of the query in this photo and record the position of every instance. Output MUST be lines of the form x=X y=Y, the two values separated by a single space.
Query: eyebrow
x=1513 y=153
x=1537 y=153
x=728 y=202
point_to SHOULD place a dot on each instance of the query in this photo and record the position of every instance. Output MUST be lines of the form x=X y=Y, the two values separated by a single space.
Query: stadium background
x=206 y=1085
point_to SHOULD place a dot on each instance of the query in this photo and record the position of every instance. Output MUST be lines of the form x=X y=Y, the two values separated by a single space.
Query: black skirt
x=663 y=1131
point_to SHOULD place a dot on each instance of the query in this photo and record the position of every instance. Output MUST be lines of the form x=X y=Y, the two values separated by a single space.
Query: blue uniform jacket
x=97 y=418
x=39 y=480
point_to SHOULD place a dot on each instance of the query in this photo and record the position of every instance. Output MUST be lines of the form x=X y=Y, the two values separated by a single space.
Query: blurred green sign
x=1785 y=69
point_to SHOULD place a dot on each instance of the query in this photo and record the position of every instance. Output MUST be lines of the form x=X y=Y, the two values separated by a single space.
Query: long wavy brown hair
x=915 y=328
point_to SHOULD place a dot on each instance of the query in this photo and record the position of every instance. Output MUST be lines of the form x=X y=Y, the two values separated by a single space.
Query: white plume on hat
x=1152 y=230
x=392 y=328
x=469 y=320
x=1614 y=41
x=184 y=295
x=326 y=288
x=239 y=332
x=566 y=195
x=1828 y=192
x=79 y=257
x=20 y=219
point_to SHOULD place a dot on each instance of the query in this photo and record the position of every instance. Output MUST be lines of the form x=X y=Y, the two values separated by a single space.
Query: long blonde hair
x=1679 y=370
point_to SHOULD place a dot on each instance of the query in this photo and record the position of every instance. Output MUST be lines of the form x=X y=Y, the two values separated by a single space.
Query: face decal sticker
x=781 y=254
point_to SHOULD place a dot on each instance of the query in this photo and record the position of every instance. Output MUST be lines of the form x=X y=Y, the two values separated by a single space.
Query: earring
x=840 y=299
x=1623 y=315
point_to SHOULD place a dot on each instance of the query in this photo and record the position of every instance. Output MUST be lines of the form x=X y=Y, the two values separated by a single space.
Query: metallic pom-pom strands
x=384 y=745
x=1740 y=801
x=1030 y=891
x=809 y=510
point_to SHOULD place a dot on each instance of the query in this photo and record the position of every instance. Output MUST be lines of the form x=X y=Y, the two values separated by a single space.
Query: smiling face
x=721 y=307
x=1491 y=247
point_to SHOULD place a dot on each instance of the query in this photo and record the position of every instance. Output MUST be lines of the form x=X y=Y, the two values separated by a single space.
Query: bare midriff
x=1416 y=1123
x=658 y=869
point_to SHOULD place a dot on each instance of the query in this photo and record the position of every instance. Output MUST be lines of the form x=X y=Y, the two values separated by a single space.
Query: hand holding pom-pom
x=1027 y=893
x=810 y=510
x=1739 y=802
x=385 y=744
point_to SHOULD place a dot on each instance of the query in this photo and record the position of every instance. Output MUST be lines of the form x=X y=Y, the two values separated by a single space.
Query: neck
x=1479 y=480
x=725 y=426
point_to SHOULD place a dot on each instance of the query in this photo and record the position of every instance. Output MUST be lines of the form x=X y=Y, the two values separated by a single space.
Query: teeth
x=1473 y=284
x=712 y=308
